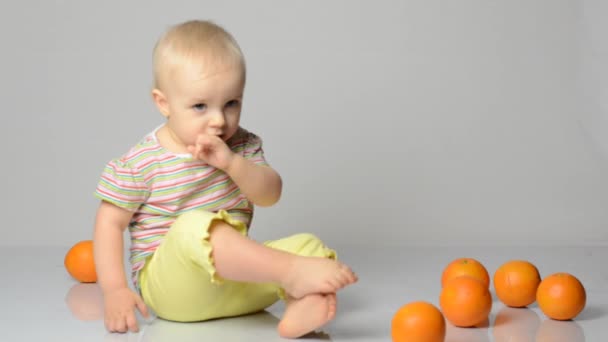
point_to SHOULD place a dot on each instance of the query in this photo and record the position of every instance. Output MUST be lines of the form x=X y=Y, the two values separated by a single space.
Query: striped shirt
x=158 y=185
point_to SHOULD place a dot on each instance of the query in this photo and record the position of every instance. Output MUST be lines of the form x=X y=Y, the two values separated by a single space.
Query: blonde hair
x=201 y=42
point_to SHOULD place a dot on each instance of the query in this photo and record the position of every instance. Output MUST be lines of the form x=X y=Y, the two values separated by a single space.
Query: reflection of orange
x=79 y=262
x=516 y=282
x=465 y=266
x=465 y=301
x=456 y=334
x=85 y=301
x=418 y=322
x=559 y=331
x=561 y=296
x=515 y=325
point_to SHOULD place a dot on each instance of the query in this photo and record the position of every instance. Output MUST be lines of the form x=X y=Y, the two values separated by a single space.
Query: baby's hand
x=212 y=150
x=120 y=307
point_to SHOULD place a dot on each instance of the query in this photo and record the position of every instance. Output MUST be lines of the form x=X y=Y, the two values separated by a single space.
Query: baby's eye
x=232 y=103
x=199 y=107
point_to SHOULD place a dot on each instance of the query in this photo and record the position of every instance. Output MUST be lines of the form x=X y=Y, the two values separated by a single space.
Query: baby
x=187 y=191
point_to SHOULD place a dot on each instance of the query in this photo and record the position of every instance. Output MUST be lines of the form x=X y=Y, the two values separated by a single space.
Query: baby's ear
x=161 y=102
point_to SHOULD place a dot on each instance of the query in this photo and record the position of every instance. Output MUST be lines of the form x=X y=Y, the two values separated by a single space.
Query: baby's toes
x=331 y=300
x=351 y=276
x=332 y=306
x=347 y=276
x=333 y=284
x=344 y=279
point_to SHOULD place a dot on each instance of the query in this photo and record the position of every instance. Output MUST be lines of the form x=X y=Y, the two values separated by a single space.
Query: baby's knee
x=307 y=238
x=310 y=245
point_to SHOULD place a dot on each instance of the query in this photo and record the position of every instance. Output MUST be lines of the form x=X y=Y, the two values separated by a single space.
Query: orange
x=561 y=296
x=465 y=266
x=465 y=301
x=418 y=322
x=515 y=283
x=79 y=262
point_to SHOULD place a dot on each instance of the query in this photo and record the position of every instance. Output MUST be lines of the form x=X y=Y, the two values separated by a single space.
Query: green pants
x=179 y=281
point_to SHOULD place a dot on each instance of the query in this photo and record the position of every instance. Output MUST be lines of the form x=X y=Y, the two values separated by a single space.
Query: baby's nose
x=218 y=120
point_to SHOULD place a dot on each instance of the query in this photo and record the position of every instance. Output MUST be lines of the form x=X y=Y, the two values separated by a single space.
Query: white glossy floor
x=40 y=302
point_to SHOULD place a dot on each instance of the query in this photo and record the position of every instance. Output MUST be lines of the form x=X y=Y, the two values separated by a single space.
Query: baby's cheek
x=229 y=134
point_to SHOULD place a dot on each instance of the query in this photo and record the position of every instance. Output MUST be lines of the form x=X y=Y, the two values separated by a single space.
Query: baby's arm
x=119 y=300
x=261 y=184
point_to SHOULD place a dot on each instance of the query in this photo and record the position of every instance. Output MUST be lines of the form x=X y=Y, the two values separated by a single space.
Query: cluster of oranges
x=466 y=301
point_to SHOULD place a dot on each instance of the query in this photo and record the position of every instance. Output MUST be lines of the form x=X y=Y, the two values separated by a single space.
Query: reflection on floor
x=85 y=302
x=41 y=302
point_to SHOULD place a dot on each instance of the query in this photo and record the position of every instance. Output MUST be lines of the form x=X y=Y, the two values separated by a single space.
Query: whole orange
x=515 y=283
x=465 y=266
x=561 y=296
x=465 y=301
x=418 y=322
x=79 y=262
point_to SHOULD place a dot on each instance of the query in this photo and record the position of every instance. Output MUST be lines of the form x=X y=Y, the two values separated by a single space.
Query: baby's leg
x=239 y=258
x=306 y=314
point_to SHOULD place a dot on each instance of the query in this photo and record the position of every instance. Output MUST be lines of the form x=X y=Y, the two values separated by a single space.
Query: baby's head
x=201 y=43
x=199 y=79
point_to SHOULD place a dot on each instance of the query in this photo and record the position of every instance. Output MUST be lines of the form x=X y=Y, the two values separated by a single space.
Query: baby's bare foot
x=306 y=314
x=308 y=275
x=332 y=304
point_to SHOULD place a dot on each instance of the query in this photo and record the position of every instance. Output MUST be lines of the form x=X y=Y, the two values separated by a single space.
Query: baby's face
x=204 y=102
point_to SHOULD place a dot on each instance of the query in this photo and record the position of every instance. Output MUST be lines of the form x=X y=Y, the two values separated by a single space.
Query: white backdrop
x=594 y=71
x=416 y=122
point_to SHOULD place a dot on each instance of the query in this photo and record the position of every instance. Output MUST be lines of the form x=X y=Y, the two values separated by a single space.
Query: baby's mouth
x=218 y=134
